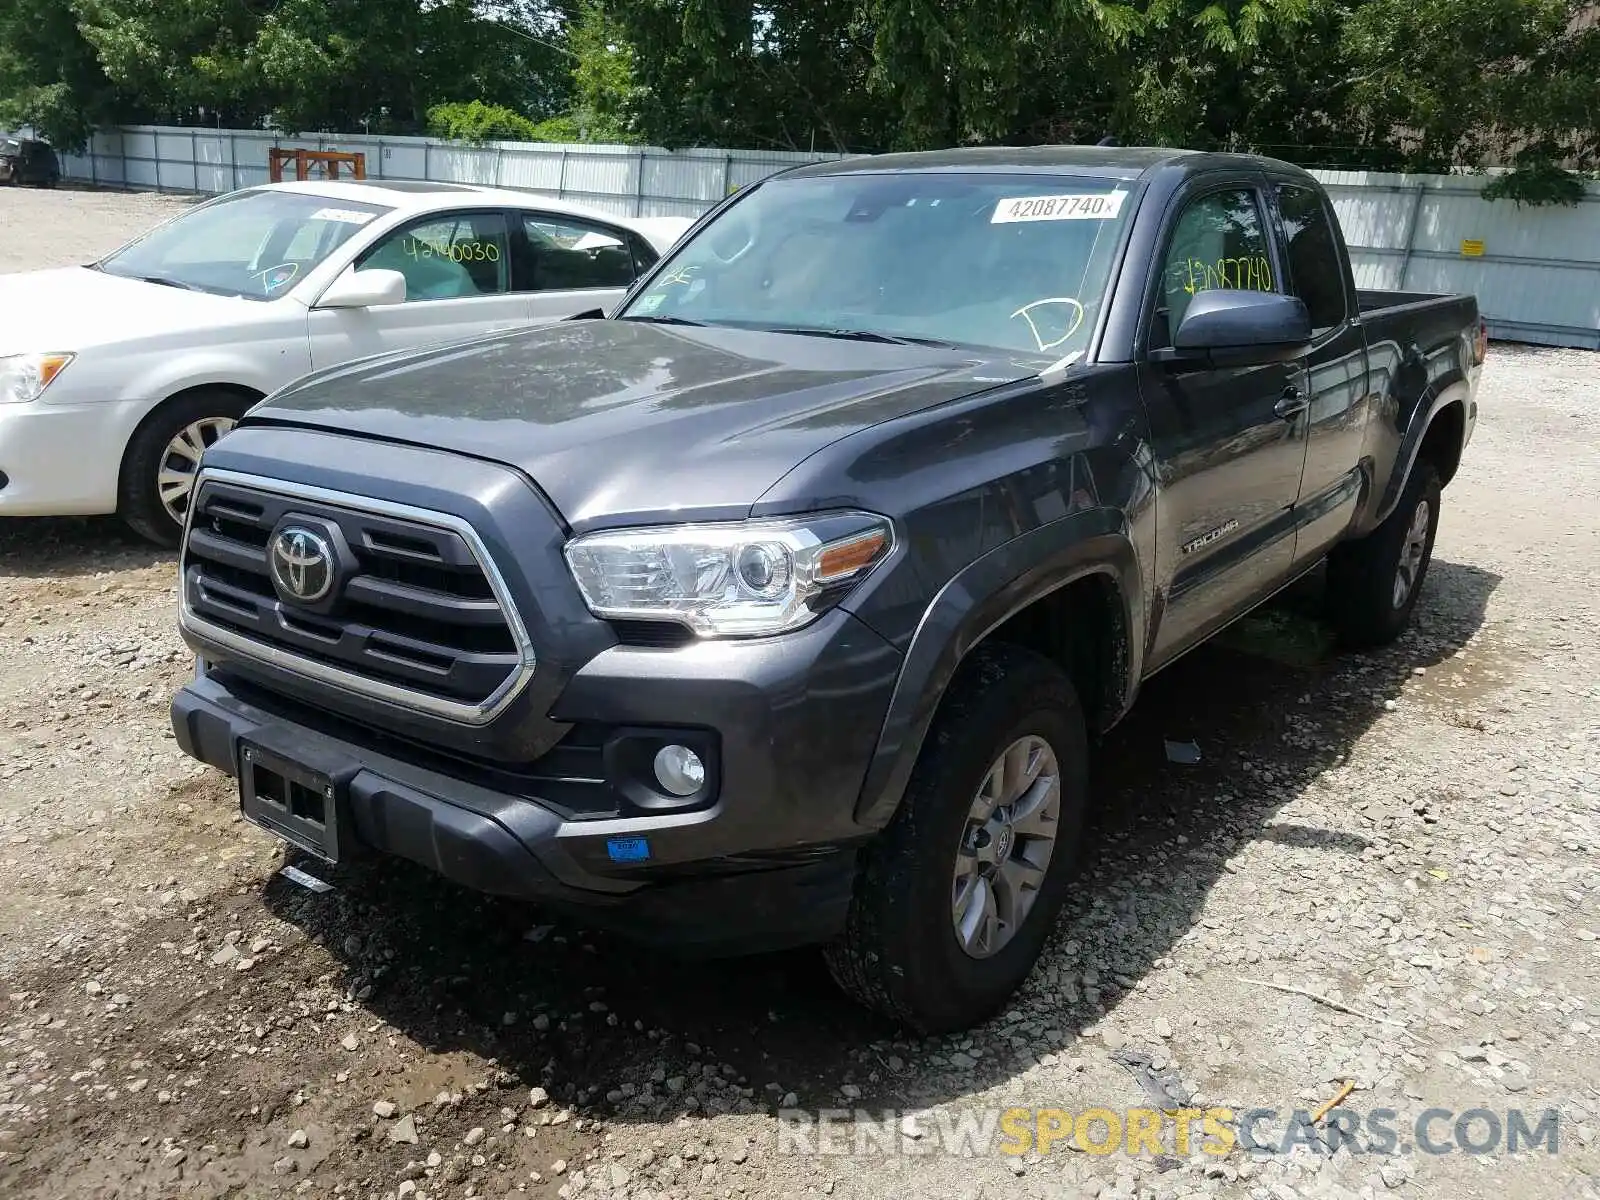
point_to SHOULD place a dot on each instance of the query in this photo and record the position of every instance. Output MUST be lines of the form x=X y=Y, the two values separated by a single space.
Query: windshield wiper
x=665 y=320
x=165 y=281
x=862 y=335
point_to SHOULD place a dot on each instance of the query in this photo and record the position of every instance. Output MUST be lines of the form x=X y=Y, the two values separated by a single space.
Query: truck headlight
x=24 y=377
x=739 y=579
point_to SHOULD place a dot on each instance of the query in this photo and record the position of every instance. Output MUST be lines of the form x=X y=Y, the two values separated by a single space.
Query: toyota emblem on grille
x=302 y=564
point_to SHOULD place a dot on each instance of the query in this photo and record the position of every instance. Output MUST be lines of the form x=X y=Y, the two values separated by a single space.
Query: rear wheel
x=1373 y=583
x=955 y=899
x=159 y=468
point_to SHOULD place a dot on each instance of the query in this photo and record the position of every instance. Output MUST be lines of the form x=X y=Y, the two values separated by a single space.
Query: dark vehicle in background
x=782 y=605
x=24 y=160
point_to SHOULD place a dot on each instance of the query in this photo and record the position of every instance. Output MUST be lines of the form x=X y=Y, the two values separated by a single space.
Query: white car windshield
x=1017 y=262
x=256 y=244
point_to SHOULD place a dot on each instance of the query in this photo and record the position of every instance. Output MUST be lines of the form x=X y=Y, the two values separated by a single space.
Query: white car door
x=571 y=264
x=457 y=267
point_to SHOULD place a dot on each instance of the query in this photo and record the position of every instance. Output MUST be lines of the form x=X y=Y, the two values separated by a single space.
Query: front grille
x=416 y=616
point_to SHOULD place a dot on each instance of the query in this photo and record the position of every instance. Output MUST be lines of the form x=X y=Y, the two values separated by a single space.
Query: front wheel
x=163 y=458
x=1374 y=582
x=955 y=899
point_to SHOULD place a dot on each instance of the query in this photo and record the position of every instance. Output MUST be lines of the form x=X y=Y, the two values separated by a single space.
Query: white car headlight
x=24 y=377
x=740 y=579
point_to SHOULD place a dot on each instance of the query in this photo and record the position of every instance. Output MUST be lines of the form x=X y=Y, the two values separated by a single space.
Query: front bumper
x=61 y=460
x=769 y=863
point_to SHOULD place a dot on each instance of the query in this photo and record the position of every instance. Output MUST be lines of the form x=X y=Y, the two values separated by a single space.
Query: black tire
x=899 y=953
x=138 y=499
x=1362 y=575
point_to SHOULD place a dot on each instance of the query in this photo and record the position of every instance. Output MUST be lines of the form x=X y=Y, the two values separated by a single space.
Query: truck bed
x=1373 y=301
x=1417 y=319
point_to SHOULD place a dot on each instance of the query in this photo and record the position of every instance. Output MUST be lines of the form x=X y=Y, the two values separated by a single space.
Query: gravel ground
x=1409 y=837
x=71 y=225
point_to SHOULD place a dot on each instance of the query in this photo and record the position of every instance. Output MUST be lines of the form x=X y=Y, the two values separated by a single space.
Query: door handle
x=1291 y=404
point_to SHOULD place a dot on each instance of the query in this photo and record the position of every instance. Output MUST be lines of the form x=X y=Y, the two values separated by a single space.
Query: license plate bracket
x=300 y=804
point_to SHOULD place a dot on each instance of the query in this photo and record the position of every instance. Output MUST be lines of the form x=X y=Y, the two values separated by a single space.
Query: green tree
x=329 y=64
x=605 y=93
x=480 y=122
x=1453 y=83
x=1420 y=84
x=50 y=76
x=177 y=56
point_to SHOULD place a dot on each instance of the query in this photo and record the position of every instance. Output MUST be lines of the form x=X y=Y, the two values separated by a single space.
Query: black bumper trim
x=511 y=846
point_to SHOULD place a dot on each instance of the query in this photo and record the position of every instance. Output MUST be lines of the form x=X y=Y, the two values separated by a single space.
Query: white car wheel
x=181 y=463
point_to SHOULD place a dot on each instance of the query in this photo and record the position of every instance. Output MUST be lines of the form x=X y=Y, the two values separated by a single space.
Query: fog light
x=679 y=770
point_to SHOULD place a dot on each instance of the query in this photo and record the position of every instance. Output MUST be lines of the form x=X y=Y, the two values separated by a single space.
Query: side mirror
x=1227 y=326
x=365 y=289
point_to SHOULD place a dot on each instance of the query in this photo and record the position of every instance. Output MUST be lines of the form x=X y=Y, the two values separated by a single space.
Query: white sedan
x=115 y=376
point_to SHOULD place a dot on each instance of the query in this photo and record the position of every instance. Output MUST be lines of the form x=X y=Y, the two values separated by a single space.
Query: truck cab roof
x=1109 y=162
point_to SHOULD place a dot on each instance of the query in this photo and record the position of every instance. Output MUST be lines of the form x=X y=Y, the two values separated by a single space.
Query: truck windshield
x=256 y=243
x=1012 y=262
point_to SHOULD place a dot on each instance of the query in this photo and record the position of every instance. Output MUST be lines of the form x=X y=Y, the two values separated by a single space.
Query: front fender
x=148 y=371
x=972 y=605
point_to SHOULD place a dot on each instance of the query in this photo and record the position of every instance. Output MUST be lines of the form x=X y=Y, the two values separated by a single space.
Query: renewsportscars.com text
x=1185 y=1131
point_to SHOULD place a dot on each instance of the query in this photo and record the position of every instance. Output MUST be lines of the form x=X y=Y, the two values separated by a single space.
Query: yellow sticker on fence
x=1472 y=247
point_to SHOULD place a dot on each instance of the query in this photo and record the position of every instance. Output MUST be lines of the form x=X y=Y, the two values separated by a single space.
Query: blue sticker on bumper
x=628 y=850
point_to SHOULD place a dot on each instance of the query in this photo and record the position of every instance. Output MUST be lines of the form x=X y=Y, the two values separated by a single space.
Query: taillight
x=1480 y=344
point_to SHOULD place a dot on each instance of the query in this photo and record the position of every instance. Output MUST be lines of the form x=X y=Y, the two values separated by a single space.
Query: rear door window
x=644 y=254
x=569 y=255
x=1316 y=272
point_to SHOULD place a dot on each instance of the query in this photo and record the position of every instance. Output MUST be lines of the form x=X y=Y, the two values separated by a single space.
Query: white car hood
x=75 y=309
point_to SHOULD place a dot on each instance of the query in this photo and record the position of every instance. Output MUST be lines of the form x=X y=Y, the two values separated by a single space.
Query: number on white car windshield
x=1014 y=262
x=255 y=244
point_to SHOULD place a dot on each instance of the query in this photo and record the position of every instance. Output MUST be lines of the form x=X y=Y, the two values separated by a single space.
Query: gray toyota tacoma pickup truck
x=781 y=605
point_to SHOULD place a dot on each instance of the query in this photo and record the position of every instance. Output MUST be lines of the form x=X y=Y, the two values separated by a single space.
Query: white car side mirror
x=365 y=289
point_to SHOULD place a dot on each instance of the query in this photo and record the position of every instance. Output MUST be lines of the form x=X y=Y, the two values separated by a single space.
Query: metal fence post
x=561 y=179
x=233 y=159
x=638 y=193
x=727 y=176
x=1411 y=237
x=427 y=172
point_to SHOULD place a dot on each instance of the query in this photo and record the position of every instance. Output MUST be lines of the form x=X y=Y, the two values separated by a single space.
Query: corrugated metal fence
x=623 y=180
x=1536 y=271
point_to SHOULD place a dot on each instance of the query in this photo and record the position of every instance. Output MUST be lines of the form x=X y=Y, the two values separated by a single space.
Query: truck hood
x=623 y=420
x=75 y=309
